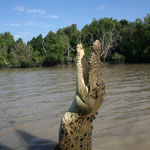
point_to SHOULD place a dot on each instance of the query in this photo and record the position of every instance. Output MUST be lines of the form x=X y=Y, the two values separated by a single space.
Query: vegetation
x=121 y=41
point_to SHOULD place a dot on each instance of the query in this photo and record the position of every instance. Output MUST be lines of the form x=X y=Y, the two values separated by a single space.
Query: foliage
x=118 y=58
x=24 y=54
x=54 y=47
x=121 y=41
x=106 y=30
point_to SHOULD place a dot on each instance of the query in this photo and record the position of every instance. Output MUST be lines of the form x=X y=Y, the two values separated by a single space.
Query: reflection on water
x=32 y=102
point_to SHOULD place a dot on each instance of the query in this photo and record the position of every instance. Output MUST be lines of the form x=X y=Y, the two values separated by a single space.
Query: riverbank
x=73 y=64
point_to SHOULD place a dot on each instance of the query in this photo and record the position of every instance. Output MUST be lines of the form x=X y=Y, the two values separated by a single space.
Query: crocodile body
x=76 y=124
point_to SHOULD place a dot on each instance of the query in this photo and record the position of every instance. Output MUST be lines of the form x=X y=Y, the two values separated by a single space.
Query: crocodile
x=76 y=125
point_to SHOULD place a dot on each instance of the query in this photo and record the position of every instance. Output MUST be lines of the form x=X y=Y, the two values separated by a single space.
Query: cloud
x=51 y=16
x=101 y=7
x=21 y=35
x=30 y=23
x=19 y=8
x=12 y=24
x=36 y=11
x=25 y=33
x=30 y=11
x=17 y=36
x=43 y=25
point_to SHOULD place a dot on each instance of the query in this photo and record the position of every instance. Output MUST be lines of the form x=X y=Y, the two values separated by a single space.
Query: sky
x=28 y=18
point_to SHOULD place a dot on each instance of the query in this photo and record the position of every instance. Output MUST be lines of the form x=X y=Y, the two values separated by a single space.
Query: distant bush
x=118 y=58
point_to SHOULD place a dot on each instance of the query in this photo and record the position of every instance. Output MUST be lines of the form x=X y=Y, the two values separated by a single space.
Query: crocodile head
x=90 y=85
x=76 y=124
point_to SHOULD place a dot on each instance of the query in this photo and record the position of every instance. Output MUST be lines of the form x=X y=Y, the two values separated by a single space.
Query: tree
x=124 y=22
x=73 y=34
x=106 y=30
x=109 y=39
x=71 y=39
x=60 y=47
x=147 y=19
x=39 y=51
x=68 y=49
x=118 y=58
x=54 y=46
x=135 y=41
x=38 y=44
x=7 y=45
x=24 y=54
x=146 y=38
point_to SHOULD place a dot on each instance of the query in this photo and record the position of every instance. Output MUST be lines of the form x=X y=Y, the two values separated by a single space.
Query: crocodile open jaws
x=76 y=125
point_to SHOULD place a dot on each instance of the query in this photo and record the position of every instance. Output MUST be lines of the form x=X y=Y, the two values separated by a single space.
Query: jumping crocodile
x=76 y=125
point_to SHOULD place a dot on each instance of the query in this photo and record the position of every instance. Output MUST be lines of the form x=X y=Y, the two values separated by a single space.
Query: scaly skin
x=76 y=124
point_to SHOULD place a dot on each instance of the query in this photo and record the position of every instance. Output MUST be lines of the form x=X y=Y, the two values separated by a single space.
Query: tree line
x=122 y=41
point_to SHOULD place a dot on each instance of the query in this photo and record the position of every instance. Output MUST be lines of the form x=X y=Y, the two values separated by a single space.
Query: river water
x=32 y=102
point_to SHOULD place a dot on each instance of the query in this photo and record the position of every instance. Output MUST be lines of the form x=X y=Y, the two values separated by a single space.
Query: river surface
x=32 y=102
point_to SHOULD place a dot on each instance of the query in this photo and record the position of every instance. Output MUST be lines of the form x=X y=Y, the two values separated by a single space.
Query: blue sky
x=29 y=18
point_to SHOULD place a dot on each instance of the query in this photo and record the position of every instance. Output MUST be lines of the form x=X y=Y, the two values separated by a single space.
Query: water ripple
x=34 y=100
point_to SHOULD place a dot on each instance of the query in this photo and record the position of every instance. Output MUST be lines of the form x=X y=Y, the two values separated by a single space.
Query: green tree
x=54 y=46
x=7 y=45
x=71 y=37
x=106 y=30
x=38 y=44
x=38 y=50
x=24 y=54
x=68 y=55
x=118 y=58
x=146 y=38
x=73 y=34
x=135 y=41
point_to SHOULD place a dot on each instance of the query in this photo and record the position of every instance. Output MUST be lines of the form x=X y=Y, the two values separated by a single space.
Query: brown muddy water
x=32 y=102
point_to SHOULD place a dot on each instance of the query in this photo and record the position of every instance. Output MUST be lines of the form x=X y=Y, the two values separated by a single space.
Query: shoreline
x=73 y=65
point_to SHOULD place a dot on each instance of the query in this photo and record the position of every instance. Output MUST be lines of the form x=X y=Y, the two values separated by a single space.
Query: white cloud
x=22 y=35
x=25 y=33
x=36 y=11
x=30 y=11
x=101 y=7
x=17 y=36
x=19 y=8
x=30 y=23
x=43 y=25
x=51 y=16
x=12 y=24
